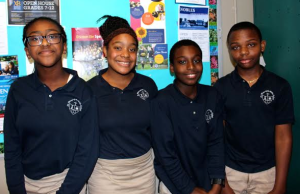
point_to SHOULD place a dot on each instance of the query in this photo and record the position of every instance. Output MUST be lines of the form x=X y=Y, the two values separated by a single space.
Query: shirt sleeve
x=284 y=106
x=215 y=151
x=164 y=150
x=86 y=153
x=13 y=147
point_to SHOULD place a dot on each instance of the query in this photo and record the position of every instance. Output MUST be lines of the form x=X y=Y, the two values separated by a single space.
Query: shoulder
x=147 y=83
x=24 y=82
x=165 y=94
x=276 y=79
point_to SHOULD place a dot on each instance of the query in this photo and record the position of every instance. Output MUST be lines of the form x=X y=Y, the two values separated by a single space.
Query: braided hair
x=114 y=26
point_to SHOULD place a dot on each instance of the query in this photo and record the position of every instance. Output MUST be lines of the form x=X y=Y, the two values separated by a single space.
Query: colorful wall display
x=148 y=19
x=213 y=39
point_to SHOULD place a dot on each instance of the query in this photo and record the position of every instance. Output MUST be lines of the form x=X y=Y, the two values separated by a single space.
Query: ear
x=263 y=44
x=27 y=53
x=172 y=68
x=105 y=51
x=65 y=48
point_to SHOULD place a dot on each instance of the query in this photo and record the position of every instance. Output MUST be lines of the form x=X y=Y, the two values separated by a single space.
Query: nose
x=125 y=53
x=45 y=41
x=190 y=65
x=244 y=50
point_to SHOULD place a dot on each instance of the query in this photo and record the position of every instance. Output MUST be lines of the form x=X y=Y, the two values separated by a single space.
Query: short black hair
x=244 y=26
x=62 y=31
x=177 y=45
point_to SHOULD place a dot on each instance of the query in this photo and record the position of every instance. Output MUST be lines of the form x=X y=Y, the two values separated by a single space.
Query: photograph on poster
x=152 y=56
x=88 y=57
x=193 y=18
x=9 y=67
x=21 y=12
x=212 y=15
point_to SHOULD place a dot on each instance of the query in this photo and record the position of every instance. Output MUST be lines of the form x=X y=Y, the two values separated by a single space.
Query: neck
x=250 y=75
x=117 y=80
x=52 y=77
x=188 y=91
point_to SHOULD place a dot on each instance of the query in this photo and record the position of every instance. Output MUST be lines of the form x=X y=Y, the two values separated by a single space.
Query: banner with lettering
x=21 y=12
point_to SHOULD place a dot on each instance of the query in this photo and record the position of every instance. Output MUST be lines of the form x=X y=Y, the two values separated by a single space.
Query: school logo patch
x=209 y=115
x=267 y=96
x=143 y=94
x=74 y=106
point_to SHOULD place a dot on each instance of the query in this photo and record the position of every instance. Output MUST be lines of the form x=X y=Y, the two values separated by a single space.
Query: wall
x=231 y=12
x=279 y=23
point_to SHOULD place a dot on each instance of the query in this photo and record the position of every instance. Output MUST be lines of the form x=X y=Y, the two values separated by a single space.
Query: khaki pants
x=251 y=183
x=47 y=185
x=163 y=189
x=126 y=176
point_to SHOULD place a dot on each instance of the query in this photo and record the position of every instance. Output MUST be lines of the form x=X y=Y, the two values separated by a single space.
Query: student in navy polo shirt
x=187 y=128
x=258 y=118
x=125 y=164
x=50 y=124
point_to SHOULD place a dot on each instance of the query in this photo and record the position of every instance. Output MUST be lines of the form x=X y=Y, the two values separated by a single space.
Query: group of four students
x=66 y=136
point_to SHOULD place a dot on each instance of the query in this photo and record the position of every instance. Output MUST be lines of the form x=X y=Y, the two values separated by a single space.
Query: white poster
x=3 y=30
x=193 y=24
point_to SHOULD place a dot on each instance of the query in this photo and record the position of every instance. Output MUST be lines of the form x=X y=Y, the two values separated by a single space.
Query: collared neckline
x=237 y=78
x=134 y=83
x=184 y=100
x=70 y=86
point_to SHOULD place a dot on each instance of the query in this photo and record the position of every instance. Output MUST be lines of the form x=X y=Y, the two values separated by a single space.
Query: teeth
x=191 y=75
x=123 y=63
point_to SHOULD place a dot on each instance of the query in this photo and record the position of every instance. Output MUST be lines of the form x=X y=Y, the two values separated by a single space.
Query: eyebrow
x=120 y=42
x=39 y=32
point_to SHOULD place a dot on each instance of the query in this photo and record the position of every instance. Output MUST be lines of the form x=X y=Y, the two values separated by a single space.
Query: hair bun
x=114 y=26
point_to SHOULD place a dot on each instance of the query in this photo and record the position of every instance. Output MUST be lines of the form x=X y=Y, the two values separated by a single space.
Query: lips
x=123 y=63
x=244 y=61
x=46 y=52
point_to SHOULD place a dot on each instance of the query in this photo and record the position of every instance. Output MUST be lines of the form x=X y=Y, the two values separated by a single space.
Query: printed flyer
x=8 y=73
x=147 y=18
x=88 y=57
x=213 y=39
x=21 y=12
x=193 y=24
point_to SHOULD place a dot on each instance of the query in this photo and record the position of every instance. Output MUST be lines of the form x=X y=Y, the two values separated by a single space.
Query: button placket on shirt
x=48 y=100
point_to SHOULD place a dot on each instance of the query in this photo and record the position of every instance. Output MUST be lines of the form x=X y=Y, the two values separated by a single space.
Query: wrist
x=218 y=181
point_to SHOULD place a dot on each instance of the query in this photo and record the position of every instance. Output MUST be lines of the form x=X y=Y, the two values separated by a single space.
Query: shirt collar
x=237 y=78
x=184 y=100
x=70 y=86
x=135 y=83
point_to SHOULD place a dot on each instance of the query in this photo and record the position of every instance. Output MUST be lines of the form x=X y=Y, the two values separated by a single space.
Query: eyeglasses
x=38 y=40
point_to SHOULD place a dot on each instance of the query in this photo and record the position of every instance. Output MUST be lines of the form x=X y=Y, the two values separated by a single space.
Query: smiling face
x=187 y=66
x=245 y=48
x=121 y=54
x=45 y=55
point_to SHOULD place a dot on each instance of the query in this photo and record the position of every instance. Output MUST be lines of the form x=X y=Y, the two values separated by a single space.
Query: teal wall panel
x=279 y=22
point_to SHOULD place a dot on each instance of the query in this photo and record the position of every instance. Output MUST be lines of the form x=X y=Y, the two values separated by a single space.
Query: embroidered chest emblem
x=143 y=94
x=209 y=115
x=74 y=106
x=267 y=96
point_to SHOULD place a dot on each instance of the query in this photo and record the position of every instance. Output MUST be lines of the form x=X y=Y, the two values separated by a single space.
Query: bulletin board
x=84 y=14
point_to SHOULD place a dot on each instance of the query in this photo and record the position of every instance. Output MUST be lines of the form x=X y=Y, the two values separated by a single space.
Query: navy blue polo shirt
x=46 y=132
x=251 y=114
x=187 y=138
x=124 y=116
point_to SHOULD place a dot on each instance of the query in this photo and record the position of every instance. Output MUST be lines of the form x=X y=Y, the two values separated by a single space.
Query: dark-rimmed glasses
x=38 y=40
